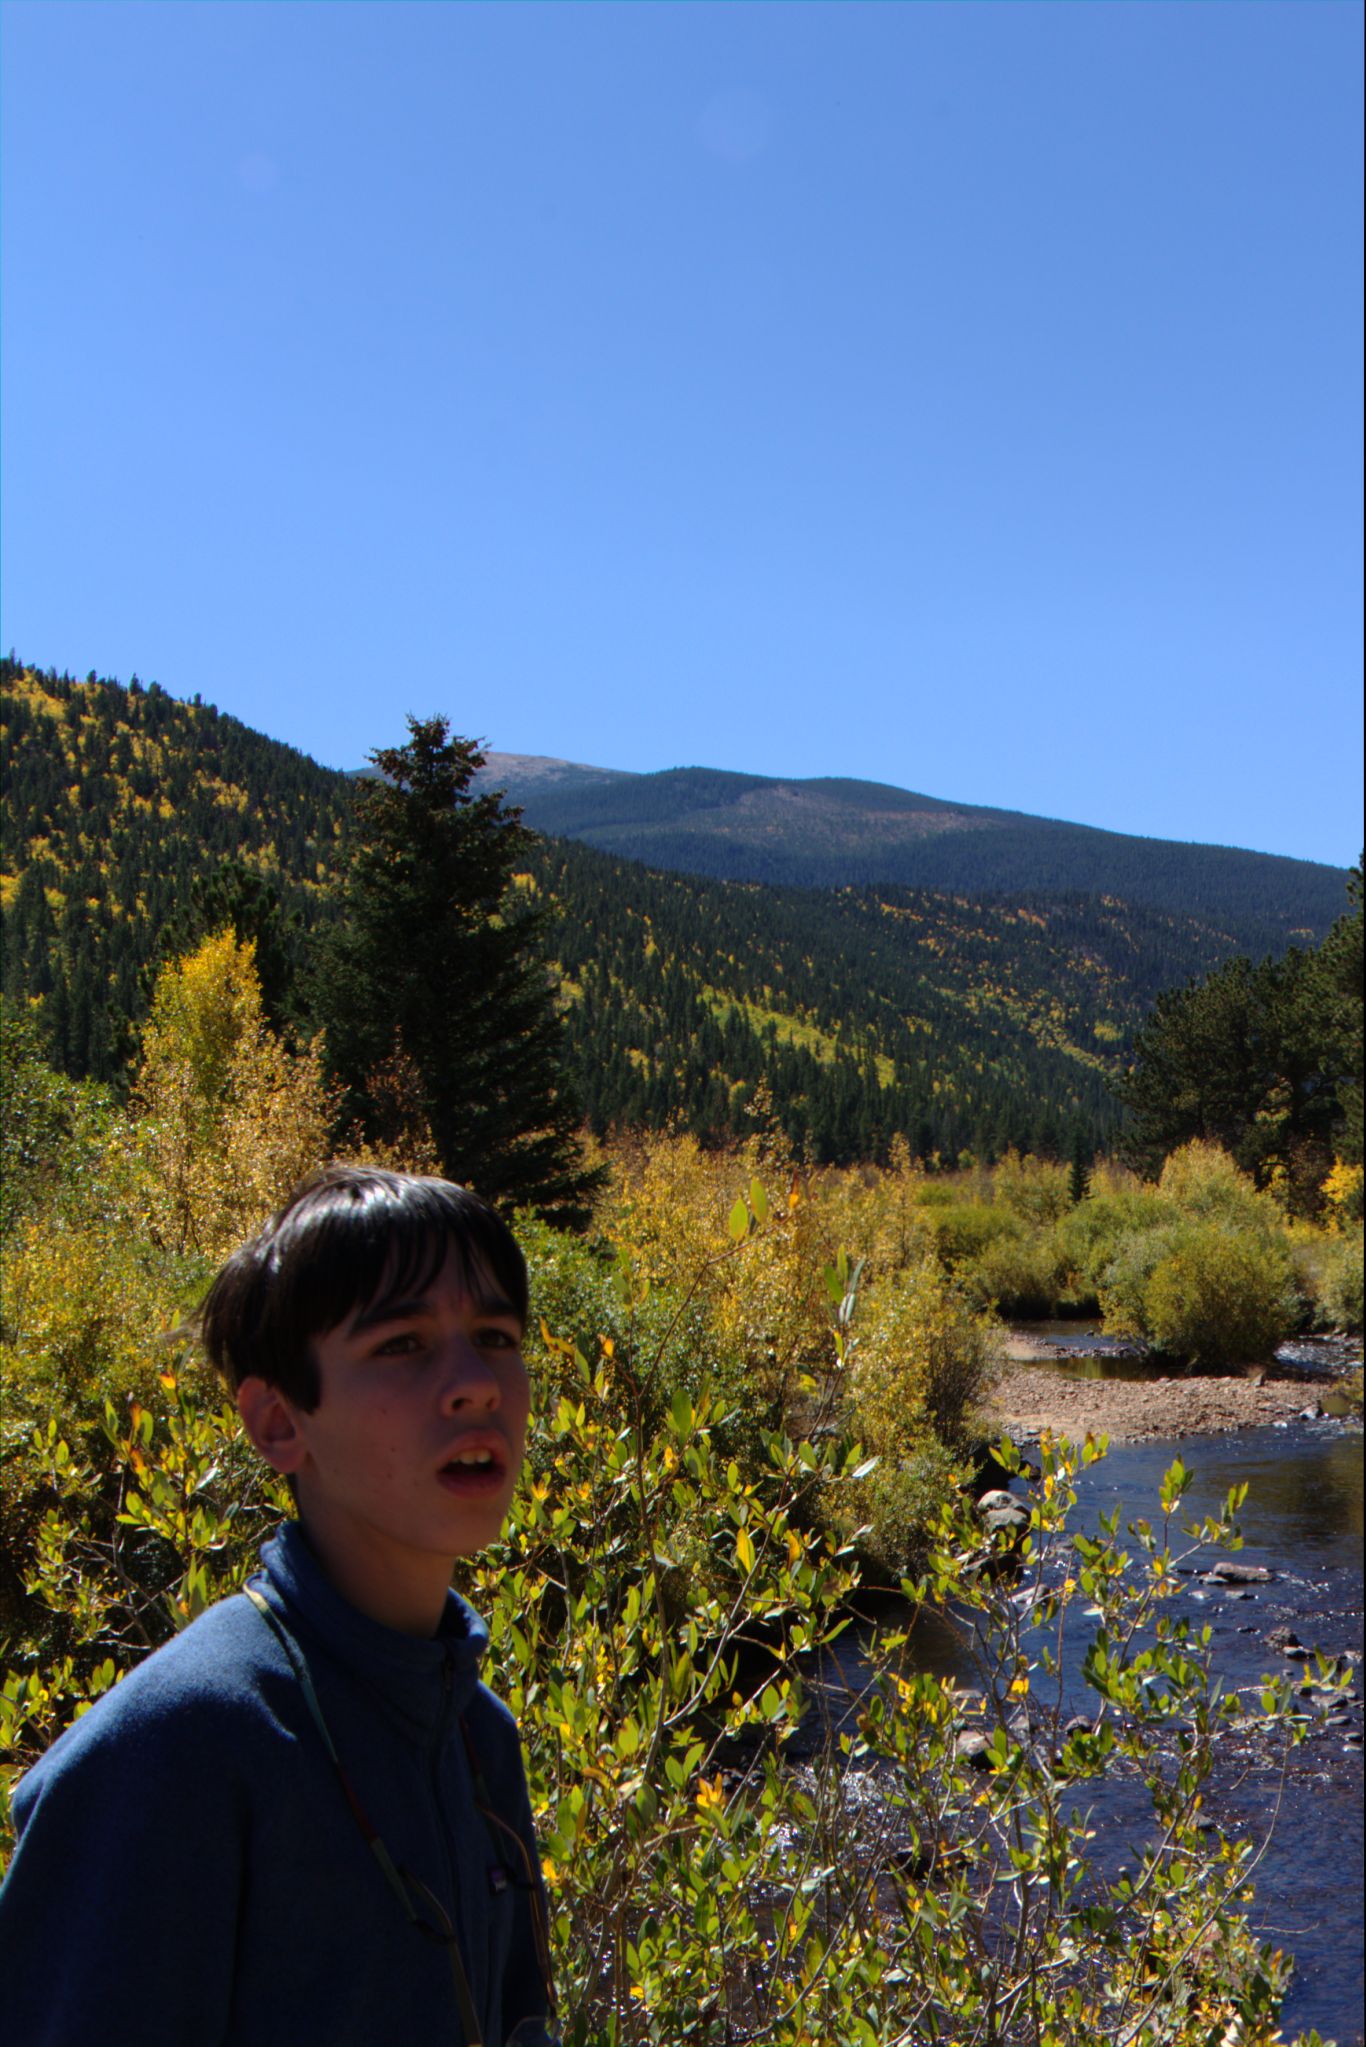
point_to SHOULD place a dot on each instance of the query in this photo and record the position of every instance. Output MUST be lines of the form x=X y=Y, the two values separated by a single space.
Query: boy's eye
x=400 y=1345
x=496 y=1339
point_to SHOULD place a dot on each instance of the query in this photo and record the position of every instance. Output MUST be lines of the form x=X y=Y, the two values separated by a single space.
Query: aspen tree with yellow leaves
x=228 y=1118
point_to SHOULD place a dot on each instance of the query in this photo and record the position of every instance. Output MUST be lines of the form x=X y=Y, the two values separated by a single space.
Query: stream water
x=1303 y=1522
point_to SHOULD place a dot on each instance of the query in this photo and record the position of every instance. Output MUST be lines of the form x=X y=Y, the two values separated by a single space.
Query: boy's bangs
x=385 y=1241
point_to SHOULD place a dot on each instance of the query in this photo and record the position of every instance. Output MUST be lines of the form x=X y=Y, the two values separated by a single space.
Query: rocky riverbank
x=1026 y=1397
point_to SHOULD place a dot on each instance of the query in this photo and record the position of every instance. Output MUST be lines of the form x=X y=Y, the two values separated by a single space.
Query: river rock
x=972 y=1748
x=1239 y=1574
x=1009 y=1520
x=993 y=1502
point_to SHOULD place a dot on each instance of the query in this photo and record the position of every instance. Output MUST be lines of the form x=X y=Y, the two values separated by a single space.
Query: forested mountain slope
x=835 y=832
x=864 y=1012
x=114 y=801
x=848 y=1015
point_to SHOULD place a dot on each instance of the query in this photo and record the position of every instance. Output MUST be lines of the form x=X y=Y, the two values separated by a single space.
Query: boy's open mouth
x=479 y=1469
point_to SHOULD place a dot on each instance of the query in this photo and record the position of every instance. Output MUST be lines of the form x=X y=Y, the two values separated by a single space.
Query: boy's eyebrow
x=380 y=1312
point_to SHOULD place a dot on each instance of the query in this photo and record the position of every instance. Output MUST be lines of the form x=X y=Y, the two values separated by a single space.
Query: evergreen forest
x=843 y=1016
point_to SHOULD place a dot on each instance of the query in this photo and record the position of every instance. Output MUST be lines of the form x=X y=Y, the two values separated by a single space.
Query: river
x=1303 y=1522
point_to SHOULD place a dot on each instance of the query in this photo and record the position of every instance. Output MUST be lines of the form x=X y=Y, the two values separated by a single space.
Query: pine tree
x=1079 y=1176
x=437 y=959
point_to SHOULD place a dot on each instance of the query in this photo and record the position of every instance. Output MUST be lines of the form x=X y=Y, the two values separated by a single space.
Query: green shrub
x=1034 y=1189
x=1220 y=1296
x=580 y=1291
x=1024 y=1275
x=1089 y=1238
x=85 y=1307
x=963 y=1230
x=1202 y=1180
x=1123 y=1284
x=1330 y=1267
x=919 y=1364
x=899 y=1502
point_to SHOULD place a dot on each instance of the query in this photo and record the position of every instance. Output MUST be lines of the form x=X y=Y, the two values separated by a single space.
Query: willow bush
x=1200 y=1263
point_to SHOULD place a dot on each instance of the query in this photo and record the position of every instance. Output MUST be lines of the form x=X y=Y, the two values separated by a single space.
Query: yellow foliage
x=82 y=1307
x=921 y=1362
x=1032 y=1188
x=667 y=1208
x=202 y=1007
x=1201 y=1179
x=229 y=1119
x=1342 y=1191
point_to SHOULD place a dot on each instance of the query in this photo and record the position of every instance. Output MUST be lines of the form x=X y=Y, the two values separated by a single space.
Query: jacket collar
x=423 y=1678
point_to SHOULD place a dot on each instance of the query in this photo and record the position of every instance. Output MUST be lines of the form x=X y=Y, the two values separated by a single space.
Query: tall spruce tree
x=436 y=965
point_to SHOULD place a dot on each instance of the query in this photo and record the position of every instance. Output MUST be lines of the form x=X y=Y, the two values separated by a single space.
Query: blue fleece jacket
x=190 y=1874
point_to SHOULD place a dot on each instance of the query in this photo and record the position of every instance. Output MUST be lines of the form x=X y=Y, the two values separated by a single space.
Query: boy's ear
x=269 y=1419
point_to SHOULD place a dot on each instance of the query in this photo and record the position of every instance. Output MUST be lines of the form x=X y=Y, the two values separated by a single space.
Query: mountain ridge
x=840 y=831
x=959 y=1020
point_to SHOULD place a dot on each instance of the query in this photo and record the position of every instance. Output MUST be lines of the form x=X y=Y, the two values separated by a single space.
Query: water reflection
x=1304 y=1485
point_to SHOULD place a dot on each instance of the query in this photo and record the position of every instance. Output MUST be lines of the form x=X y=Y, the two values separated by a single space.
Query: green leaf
x=738 y=1221
x=758 y=1200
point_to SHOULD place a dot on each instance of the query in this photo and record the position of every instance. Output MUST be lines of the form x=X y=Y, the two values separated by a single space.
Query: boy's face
x=410 y=1458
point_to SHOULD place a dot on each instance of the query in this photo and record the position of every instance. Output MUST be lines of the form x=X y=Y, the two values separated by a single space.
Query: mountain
x=831 y=832
x=959 y=1020
x=853 y=1015
x=115 y=803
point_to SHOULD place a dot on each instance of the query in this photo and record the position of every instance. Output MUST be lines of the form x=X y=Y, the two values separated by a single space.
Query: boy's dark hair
x=348 y=1237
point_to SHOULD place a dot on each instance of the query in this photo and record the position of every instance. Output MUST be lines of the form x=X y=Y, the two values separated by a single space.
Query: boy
x=304 y=1822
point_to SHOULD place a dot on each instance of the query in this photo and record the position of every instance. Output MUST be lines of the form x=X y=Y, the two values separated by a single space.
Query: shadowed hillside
x=836 y=833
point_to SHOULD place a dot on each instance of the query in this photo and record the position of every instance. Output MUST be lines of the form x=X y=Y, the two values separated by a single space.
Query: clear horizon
x=966 y=399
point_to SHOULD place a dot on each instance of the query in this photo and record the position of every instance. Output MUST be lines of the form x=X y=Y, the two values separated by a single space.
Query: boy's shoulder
x=223 y=1680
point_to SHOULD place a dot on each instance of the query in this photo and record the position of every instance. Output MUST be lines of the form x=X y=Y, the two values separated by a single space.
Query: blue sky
x=962 y=396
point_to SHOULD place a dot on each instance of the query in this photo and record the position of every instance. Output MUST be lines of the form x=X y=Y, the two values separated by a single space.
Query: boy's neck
x=406 y=1592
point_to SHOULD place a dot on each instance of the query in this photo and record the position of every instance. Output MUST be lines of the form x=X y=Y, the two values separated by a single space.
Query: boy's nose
x=470 y=1379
